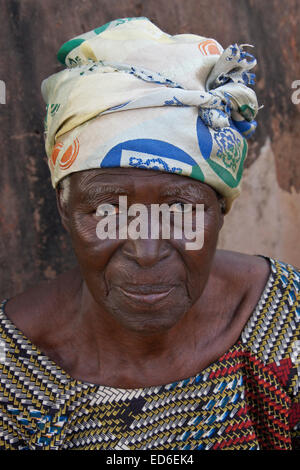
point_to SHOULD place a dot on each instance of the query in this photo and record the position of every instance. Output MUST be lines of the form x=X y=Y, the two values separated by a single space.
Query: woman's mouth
x=146 y=294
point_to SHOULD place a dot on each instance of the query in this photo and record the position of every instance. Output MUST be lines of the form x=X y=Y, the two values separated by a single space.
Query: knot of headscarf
x=134 y=96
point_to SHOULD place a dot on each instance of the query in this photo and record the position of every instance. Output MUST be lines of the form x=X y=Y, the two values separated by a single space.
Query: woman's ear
x=222 y=204
x=221 y=219
x=62 y=207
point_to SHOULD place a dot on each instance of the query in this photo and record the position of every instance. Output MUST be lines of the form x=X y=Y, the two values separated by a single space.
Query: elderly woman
x=147 y=344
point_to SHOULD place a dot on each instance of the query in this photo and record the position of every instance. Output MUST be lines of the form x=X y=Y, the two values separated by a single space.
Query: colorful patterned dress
x=248 y=399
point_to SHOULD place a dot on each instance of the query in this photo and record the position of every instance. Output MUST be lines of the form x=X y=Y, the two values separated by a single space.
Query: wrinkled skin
x=108 y=264
x=93 y=321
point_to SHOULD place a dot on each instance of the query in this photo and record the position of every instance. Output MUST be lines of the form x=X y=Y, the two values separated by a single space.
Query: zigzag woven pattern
x=248 y=399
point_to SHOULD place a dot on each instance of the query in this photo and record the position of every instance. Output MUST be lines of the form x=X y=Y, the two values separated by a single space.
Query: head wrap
x=135 y=96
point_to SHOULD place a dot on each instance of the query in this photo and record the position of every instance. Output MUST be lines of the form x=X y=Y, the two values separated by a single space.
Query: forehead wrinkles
x=192 y=190
x=129 y=180
x=114 y=182
x=95 y=185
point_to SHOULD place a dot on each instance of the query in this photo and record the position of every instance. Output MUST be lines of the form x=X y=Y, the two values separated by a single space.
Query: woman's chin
x=155 y=316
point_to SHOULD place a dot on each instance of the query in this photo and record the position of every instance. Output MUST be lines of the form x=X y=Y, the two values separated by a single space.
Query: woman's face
x=146 y=285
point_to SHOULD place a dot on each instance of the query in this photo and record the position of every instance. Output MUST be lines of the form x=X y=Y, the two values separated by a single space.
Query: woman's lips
x=146 y=295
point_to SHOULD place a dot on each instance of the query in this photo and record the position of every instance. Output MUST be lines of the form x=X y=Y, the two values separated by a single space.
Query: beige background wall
x=266 y=218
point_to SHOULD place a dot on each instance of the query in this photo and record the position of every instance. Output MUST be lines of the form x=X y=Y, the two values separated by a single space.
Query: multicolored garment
x=248 y=399
x=135 y=96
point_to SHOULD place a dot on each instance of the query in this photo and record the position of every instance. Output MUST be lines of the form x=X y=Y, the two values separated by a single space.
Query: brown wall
x=264 y=220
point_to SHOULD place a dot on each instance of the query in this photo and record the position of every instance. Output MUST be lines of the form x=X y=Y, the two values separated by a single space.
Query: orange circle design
x=209 y=47
x=70 y=155
x=56 y=149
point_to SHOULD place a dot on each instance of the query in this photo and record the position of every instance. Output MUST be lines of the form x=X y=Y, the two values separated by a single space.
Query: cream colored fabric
x=135 y=96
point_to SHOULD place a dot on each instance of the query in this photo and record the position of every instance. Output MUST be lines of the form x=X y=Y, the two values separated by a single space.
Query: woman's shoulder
x=34 y=310
x=276 y=318
x=257 y=270
x=243 y=277
x=243 y=265
x=271 y=292
x=272 y=333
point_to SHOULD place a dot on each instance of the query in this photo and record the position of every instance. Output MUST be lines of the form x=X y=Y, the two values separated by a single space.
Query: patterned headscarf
x=134 y=96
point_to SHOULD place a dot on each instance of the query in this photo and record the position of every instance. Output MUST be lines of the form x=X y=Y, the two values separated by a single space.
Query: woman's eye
x=181 y=207
x=104 y=210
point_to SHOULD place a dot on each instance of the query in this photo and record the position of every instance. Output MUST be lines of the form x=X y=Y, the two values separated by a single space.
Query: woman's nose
x=146 y=252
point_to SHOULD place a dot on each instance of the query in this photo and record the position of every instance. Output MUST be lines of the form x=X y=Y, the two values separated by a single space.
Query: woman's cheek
x=89 y=248
x=84 y=228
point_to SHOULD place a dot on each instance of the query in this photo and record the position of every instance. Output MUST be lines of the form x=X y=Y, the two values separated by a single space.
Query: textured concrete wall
x=264 y=220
